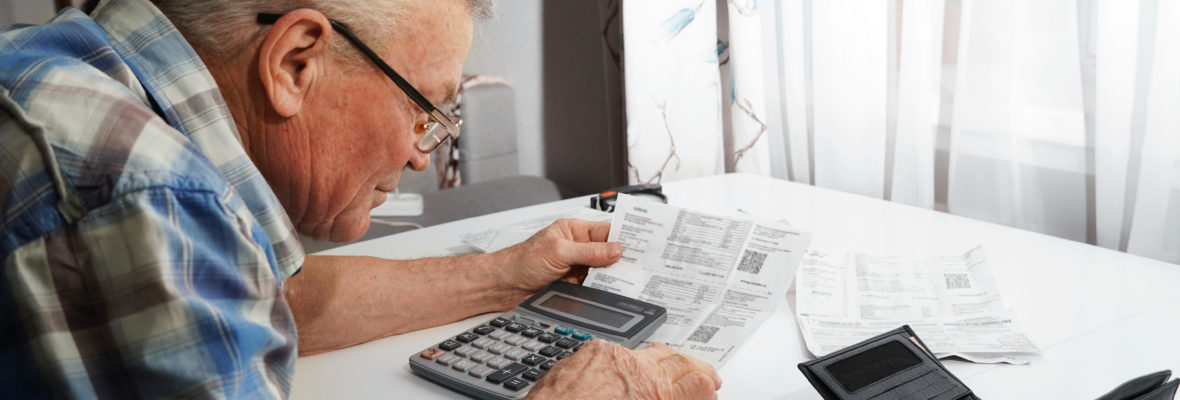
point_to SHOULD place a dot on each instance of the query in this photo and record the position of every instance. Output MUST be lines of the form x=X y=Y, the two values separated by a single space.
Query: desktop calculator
x=501 y=358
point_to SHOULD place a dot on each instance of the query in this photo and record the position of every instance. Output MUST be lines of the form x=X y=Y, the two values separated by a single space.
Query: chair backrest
x=488 y=147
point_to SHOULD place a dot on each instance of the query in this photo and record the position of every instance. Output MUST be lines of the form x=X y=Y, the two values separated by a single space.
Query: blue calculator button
x=561 y=330
x=581 y=335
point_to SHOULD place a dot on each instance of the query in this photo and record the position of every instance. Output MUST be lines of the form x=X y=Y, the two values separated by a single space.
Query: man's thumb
x=595 y=254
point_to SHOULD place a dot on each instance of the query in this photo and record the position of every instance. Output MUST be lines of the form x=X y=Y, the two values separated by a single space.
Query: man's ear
x=292 y=56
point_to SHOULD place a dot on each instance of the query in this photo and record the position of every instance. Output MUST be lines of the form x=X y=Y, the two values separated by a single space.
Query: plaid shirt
x=143 y=253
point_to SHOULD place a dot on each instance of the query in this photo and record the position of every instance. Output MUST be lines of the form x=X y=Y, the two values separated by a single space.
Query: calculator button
x=499 y=335
x=543 y=325
x=530 y=332
x=515 y=340
x=550 y=351
x=533 y=359
x=480 y=371
x=580 y=335
x=575 y=349
x=449 y=345
x=546 y=365
x=465 y=351
x=514 y=327
x=561 y=330
x=516 y=354
x=483 y=343
x=566 y=343
x=563 y=355
x=483 y=329
x=498 y=362
x=466 y=337
x=463 y=365
x=506 y=372
x=532 y=345
x=447 y=359
x=498 y=322
x=547 y=337
x=431 y=353
x=481 y=356
x=532 y=374
x=499 y=348
x=515 y=384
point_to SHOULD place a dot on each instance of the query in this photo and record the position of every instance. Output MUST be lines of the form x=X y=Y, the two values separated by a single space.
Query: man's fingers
x=695 y=385
x=593 y=254
x=598 y=230
x=576 y=275
x=580 y=230
x=659 y=351
x=677 y=365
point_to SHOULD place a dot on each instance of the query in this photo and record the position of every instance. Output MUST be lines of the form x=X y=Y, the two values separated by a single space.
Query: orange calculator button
x=431 y=353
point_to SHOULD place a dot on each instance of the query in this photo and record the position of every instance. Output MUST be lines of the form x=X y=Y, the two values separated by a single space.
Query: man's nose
x=419 y=161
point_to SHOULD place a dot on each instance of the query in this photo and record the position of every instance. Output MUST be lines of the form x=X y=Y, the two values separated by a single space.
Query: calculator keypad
x=532 y=374
x=483 y=343
x=507 y=352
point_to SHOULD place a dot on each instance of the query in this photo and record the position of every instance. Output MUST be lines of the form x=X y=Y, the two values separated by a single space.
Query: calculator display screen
x=586 y=310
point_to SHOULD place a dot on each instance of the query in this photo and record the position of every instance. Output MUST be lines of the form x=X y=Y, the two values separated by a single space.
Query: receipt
x=719 y=277
x=951 y=302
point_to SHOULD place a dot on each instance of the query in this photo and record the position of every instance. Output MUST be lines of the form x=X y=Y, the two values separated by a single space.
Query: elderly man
x=157 y=158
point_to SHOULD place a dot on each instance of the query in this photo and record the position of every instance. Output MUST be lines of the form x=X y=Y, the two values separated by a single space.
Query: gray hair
x=221 y=26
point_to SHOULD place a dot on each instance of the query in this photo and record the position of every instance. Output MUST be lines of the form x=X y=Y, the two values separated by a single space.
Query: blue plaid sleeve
x=168 y=290
x=143 y=253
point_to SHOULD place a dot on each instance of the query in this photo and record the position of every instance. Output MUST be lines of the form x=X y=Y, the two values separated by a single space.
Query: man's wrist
x=506 y=291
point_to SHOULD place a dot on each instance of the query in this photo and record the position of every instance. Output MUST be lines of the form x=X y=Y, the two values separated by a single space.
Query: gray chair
x=491 y=179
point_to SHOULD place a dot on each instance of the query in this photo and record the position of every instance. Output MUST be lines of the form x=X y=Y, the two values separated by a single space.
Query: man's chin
x=349 y=232
x=378 y=199
x=342 y=230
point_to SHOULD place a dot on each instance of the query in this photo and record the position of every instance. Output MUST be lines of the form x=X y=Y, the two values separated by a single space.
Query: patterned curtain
x=1056 y=116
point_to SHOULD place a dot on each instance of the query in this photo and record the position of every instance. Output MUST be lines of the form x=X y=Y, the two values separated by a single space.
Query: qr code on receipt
x=752 y=261
x=957 y=281
x=704 y=334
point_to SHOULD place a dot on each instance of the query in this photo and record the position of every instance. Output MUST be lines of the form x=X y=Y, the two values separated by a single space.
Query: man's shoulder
x=69 y=83
x=68 y=50
x=103 y=142
x=96 y=127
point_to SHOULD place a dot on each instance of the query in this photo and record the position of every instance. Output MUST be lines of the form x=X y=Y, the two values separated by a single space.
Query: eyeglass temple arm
x=270 y=18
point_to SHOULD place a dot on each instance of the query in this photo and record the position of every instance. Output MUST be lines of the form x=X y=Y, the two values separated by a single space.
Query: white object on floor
x=399 y=205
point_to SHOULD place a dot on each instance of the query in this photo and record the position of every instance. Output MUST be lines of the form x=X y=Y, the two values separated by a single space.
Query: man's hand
x=563 y=250
x=340 y=301
x=602 y=370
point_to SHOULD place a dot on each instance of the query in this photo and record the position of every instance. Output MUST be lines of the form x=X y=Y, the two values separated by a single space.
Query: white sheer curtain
x=1057 y=116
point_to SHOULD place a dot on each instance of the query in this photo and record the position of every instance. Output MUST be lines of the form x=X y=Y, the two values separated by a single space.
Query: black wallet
x=893 y=365
x=1153 y=386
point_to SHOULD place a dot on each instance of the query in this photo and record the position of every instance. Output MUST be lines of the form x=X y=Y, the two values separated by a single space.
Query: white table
x=1100 y=316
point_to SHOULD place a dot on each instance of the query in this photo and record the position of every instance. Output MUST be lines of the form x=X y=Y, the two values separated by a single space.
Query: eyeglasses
x=438 y=129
